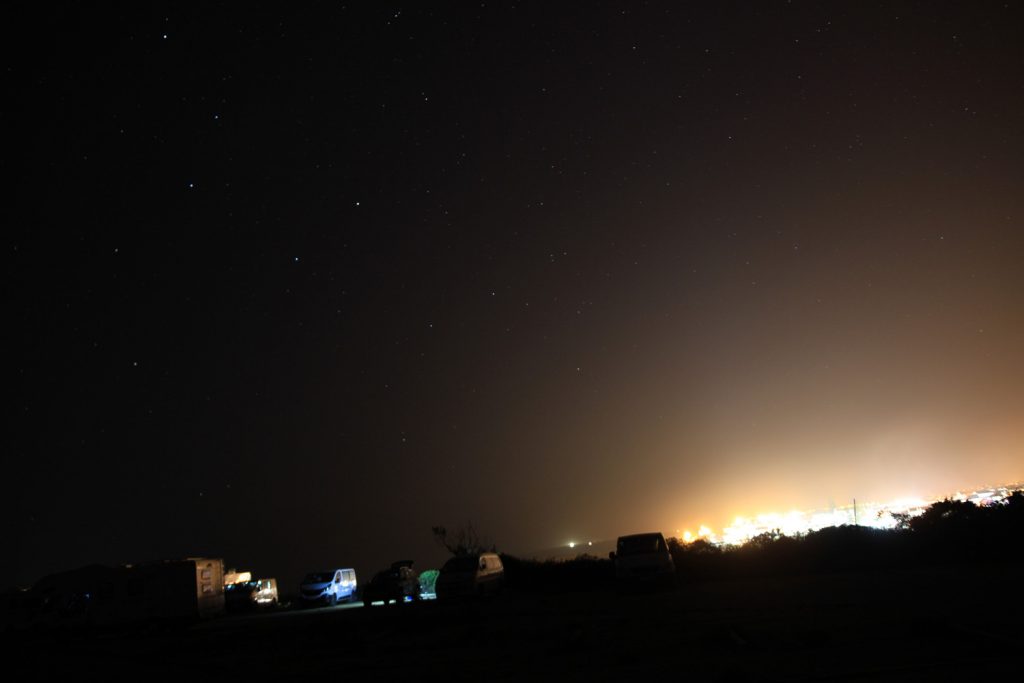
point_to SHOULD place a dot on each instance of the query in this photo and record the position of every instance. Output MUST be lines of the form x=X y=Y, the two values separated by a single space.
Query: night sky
x=290 y=288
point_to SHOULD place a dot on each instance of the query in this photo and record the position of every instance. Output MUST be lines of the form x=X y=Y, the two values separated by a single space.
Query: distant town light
x=875 y=515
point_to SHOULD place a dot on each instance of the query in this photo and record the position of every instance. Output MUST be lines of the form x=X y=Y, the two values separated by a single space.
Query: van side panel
x=209 y=586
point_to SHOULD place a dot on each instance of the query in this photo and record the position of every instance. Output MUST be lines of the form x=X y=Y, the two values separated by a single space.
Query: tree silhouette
x=946 y=514
x=462 y=541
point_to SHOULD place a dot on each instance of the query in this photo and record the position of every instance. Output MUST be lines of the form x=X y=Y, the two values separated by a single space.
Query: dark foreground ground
x=925 y=625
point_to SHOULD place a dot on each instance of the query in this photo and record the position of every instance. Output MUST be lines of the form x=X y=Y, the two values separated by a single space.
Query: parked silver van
x=328 y=588
x=470 y=575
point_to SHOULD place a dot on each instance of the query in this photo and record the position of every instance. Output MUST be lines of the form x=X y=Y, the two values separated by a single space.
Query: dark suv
x=400 y=583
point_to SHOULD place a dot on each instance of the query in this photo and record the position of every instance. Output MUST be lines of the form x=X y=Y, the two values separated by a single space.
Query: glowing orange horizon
x=872 y=514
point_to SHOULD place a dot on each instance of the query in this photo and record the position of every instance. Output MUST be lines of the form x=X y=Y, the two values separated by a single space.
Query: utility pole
x=855 y=512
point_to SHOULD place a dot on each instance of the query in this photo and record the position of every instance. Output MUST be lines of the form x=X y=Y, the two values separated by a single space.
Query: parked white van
x=470 y=575
x=330 y=587
x=643 y=559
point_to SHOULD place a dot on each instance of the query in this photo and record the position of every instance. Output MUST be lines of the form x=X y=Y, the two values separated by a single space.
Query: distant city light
x=869 y=514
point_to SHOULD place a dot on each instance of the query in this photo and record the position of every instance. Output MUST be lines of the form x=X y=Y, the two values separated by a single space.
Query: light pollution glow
x=870 y=514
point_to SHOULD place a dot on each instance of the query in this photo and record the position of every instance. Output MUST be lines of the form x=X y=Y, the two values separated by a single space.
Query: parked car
x=400 y=582
x=470 y=575
x=643 y=560
x=244 y=595
x=328 y=588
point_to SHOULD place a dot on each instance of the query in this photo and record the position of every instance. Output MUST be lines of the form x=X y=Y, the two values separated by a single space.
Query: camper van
x=328 y=587
x=470 y=575
x=643 y=560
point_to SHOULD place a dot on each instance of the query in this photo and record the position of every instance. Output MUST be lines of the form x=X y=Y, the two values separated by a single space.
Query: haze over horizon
x=292 y=287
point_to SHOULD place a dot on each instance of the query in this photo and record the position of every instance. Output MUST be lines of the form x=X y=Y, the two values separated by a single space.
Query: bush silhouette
x=948 y=532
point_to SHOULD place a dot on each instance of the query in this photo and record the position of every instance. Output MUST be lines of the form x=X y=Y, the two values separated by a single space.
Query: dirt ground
x=938 y=624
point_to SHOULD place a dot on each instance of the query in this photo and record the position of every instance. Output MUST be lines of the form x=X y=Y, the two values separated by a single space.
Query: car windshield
x=641 y=544
x=319 y=577
x=461 y=564
x=240 y=587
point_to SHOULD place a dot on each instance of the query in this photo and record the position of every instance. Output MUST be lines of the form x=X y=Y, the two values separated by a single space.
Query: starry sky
x=291 y=286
